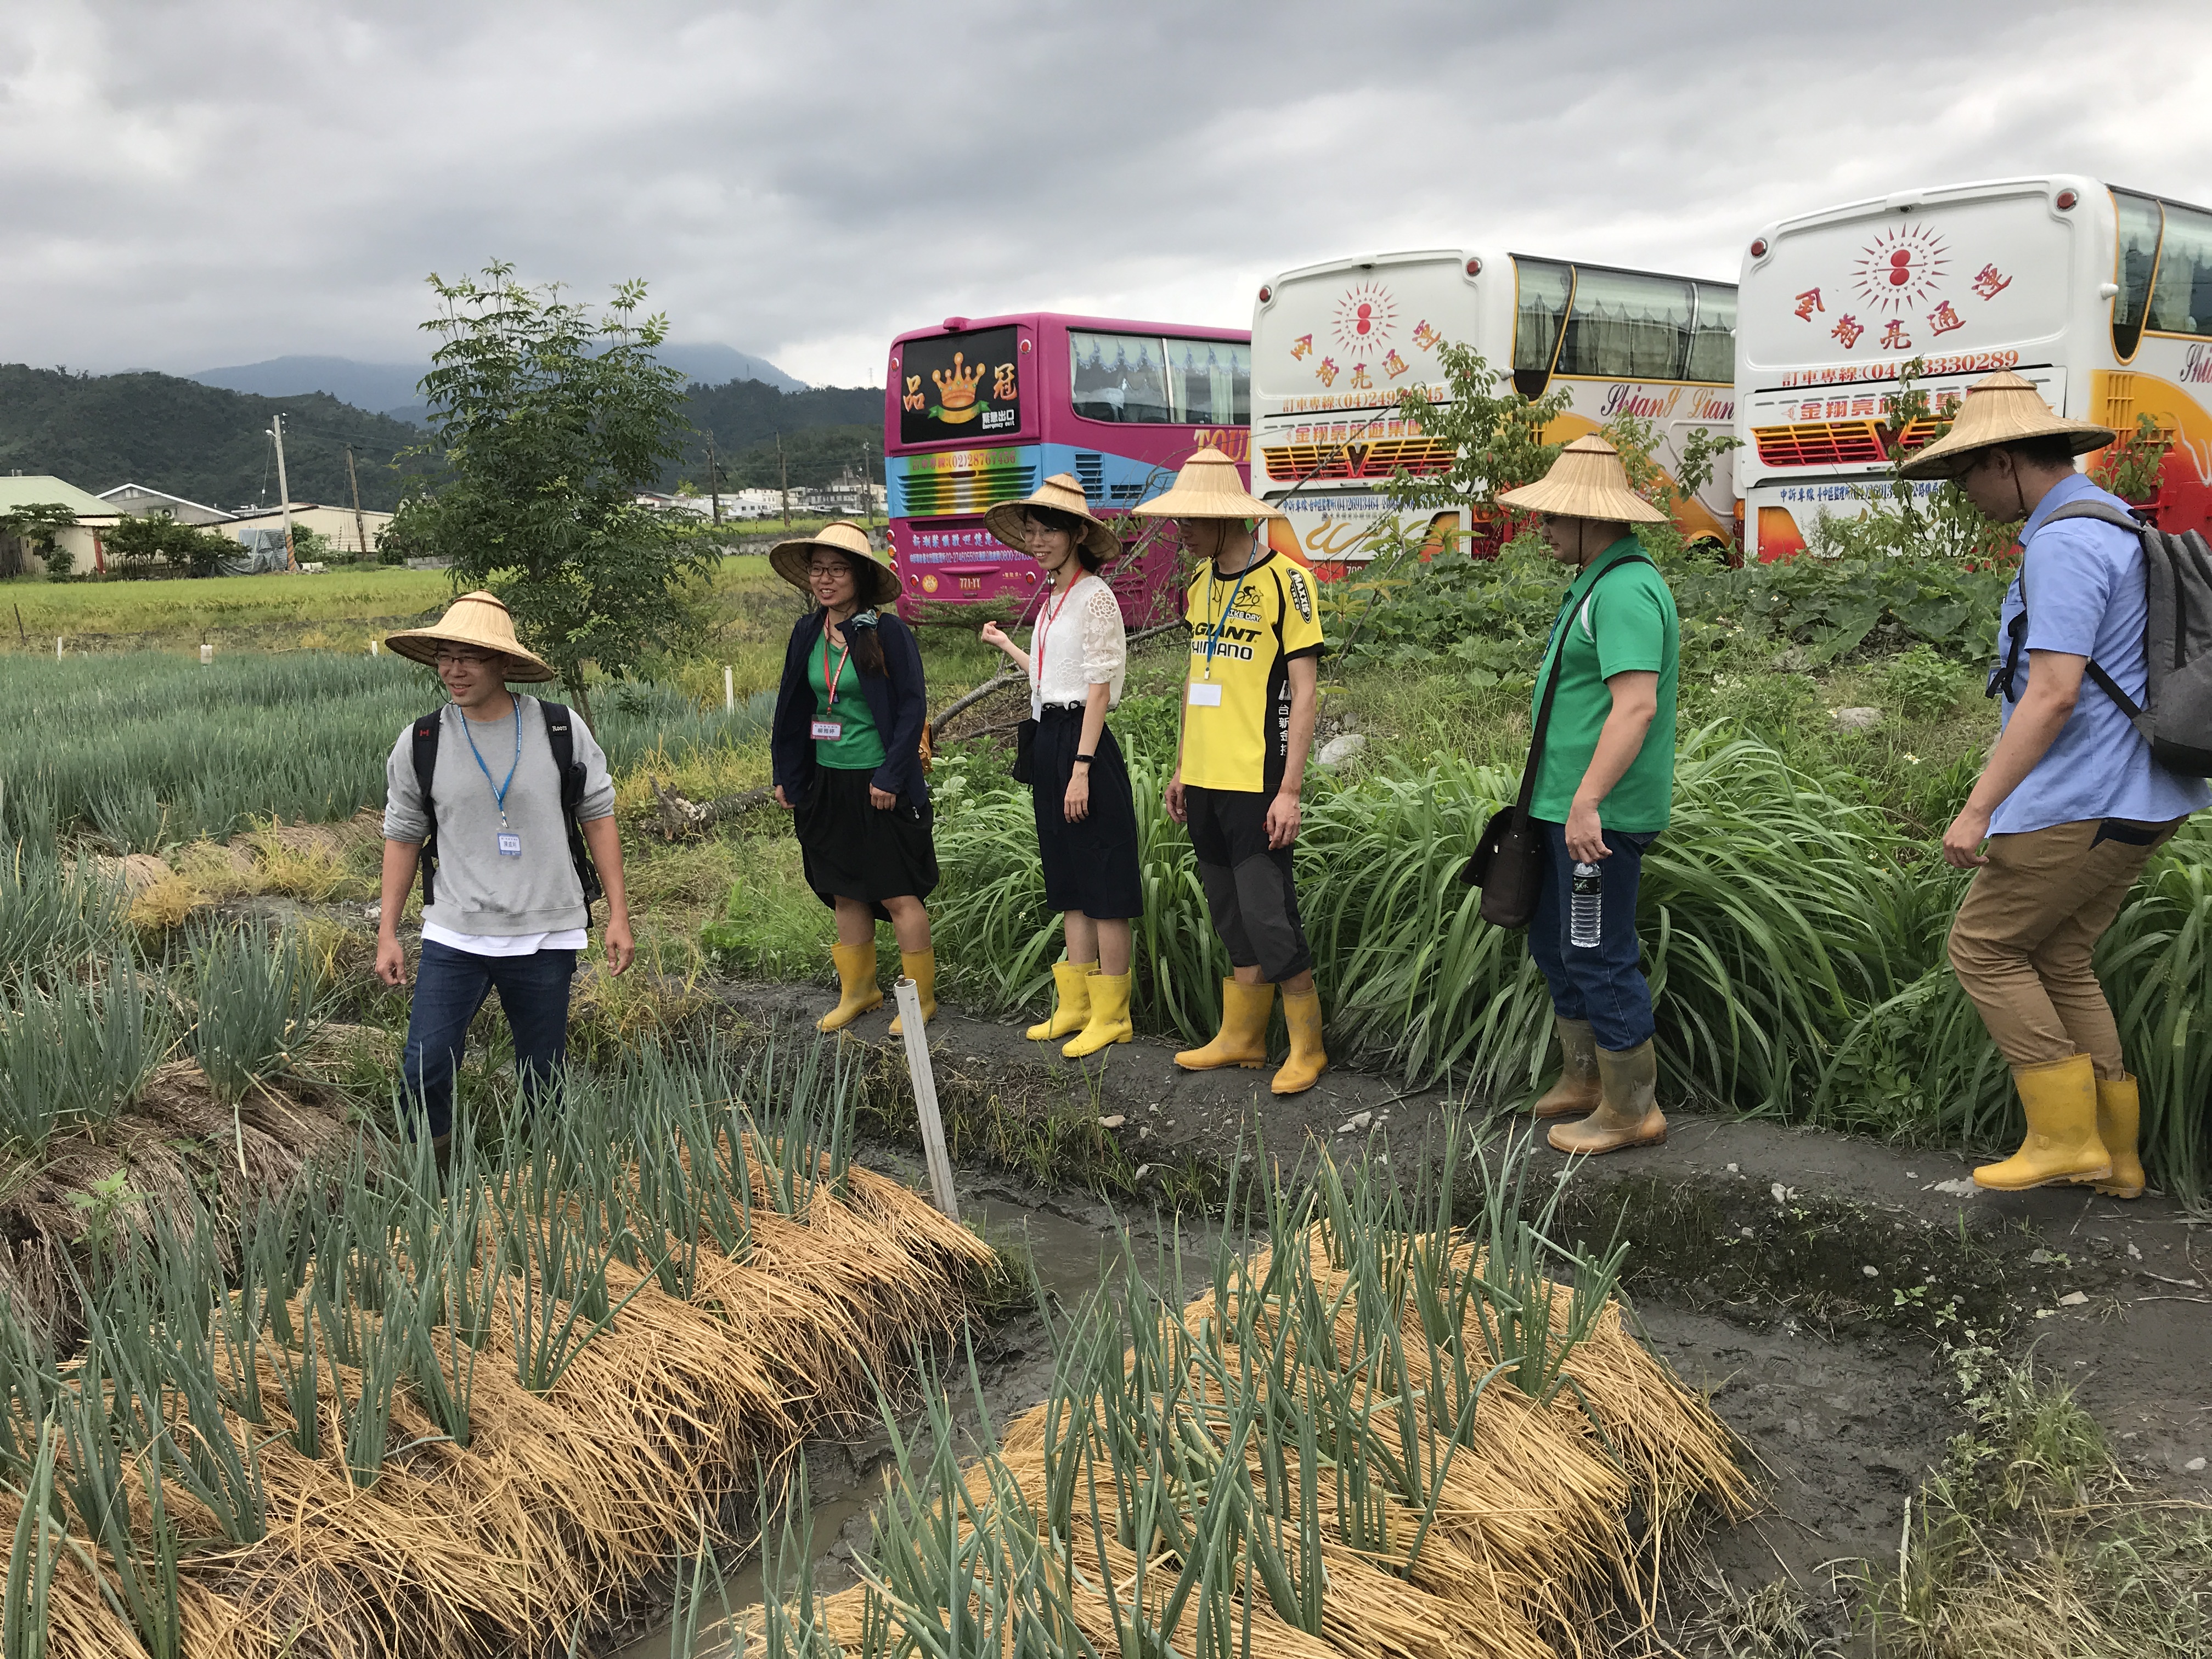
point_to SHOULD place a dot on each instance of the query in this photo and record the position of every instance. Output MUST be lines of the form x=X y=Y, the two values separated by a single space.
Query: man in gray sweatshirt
x=506 y=910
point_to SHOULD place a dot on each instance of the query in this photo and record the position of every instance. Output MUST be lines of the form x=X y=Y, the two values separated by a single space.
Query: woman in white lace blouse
x=1086 y=818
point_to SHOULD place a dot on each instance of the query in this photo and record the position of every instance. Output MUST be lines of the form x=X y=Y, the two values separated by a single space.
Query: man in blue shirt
x=2071 y=805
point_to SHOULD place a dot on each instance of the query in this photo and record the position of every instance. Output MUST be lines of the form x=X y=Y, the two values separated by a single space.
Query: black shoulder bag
x=1508 y=861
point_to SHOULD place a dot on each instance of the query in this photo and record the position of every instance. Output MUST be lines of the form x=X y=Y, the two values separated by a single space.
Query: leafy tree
x=552 y=421
x=1495 y=432
x=31 y=528
x=136 y=542
x=310 y=546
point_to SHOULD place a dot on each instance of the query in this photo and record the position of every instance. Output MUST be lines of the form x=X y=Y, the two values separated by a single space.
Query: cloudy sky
x=187 y=183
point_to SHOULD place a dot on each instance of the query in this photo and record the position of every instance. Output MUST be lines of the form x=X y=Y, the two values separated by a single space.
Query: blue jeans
x=1604 y=985
x=450 y=986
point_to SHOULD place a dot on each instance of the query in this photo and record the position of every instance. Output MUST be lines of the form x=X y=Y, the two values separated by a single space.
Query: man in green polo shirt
x=1605 y=782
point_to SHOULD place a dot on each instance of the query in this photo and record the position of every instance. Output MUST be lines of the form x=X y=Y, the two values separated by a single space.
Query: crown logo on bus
x=957 y=389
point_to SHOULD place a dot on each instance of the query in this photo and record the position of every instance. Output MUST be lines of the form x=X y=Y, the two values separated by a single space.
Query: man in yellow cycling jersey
x=1247 y=727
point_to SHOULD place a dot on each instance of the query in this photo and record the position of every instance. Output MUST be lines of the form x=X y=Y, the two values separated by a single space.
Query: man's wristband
x=1085 y=760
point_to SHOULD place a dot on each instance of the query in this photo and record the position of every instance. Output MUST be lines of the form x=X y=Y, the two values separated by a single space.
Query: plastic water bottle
x=1585 y=900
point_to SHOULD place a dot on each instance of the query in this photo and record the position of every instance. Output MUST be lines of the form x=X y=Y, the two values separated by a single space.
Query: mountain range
x=390 y=388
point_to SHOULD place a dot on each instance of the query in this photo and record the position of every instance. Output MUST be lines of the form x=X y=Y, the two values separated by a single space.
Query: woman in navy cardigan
x=846 y=748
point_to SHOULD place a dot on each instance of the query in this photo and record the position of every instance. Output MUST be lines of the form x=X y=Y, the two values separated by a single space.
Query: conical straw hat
x=789 y=559
x=476 y=619
x=1207 y=487
x=1062 y=494
x=2005 y=409
x=1587 y=481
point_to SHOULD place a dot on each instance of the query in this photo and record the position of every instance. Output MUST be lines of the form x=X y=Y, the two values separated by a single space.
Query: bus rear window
x=1540 y=309
x=1624 y=326
x=1141 y=379
x=959 y=386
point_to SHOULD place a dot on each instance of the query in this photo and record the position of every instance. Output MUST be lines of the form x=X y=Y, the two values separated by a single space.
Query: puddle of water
x=1071 y=1259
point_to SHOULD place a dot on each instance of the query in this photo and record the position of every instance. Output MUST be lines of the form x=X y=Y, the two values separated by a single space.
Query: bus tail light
x=1759 y=247
x=2066 y=200
x=1265 y=293
x=1474 y=267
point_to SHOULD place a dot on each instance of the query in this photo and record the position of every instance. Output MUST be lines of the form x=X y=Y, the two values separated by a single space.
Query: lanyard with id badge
x=510 y=846
x=1203 y=692
x=829 y=730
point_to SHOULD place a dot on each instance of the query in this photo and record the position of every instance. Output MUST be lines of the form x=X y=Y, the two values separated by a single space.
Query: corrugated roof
x=40 y=487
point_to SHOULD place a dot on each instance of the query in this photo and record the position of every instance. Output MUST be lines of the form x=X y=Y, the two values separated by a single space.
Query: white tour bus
x=1334 y=346
x=2101 y=296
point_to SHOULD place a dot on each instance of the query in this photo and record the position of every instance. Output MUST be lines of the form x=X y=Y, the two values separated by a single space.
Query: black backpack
x=2175 y=716
x=561 y=736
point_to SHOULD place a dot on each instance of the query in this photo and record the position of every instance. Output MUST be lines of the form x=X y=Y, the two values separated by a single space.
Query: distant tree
x=31 y=528
x=310 y=546
x=136 y=542
x=551 y=423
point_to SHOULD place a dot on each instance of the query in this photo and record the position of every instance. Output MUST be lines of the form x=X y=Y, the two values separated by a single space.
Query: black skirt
x=854 y=849
x=1090 y=866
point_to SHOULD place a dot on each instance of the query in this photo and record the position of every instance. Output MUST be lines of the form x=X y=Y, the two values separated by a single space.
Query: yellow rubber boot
x=1110 y=1016
x=1576 y=1093
x=1071 y=1011
x=921 y=966
x=2120 y=1117
x=856 y=974
x=1242 y=1039
x=1627 y=1112
x=1309 y=1060
x=2060 y=1099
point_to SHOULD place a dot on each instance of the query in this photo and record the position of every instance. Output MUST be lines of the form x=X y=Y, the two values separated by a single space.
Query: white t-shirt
x=506 y=944
x=1078 y=643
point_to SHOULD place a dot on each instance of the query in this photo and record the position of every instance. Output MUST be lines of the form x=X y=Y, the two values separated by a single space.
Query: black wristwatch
x=1084 y=760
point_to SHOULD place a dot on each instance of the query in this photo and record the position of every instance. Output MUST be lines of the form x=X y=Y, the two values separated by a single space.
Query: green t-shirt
x=1618 y=624
x=860 y=746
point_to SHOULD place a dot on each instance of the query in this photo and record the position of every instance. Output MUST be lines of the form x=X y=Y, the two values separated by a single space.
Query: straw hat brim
x=1955 y=452
x=1006 y=522
x=1567 y=499
x=421 y=645
x=1181 y=500
x=789 y=560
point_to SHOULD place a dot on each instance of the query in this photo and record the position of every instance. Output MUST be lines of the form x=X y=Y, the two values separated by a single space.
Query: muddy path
x=1825 y=1291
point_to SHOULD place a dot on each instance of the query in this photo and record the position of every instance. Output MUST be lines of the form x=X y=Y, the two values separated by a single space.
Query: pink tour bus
x=977 y=410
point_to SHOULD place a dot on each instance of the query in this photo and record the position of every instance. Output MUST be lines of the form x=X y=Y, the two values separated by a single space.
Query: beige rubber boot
x=1242 y=1039
x=1575 y=1095
x=856 y=974
x=1071 y=1011
x=2060 y=1099
x=1627 y=1112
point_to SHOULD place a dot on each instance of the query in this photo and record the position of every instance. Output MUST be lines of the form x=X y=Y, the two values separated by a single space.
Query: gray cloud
x=222 y=180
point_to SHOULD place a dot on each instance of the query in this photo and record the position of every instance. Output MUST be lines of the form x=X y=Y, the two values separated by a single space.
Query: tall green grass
x=1793 y=935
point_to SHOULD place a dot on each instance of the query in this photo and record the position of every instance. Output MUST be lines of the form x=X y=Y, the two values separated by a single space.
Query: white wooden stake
x=57 y=648
x=729 y=692
x=207 y=655
x=909 y=996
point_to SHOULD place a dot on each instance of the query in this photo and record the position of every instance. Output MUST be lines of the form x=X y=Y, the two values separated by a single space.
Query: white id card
x=828 y=730
x=1204 y=694
x=510 y=847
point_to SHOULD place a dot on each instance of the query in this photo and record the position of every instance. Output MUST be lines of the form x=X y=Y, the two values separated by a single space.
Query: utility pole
x=867 y=489
x=284 y=490
x=783 y=470
x=714 y=477
x=359 y=524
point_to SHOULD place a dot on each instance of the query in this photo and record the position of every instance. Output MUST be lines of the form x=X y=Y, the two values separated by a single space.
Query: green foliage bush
x=135 y=544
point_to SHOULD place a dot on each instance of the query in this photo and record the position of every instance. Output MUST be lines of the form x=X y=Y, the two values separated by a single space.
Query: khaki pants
x=2023 y=940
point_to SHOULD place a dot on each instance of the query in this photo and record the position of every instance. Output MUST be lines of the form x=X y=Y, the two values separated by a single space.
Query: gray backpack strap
x=2003 y=677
